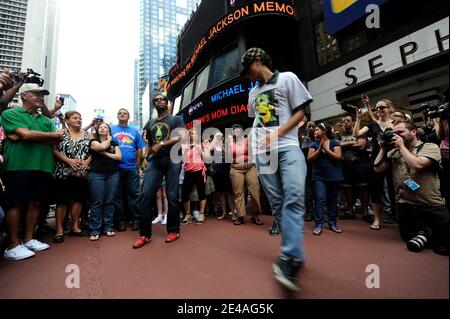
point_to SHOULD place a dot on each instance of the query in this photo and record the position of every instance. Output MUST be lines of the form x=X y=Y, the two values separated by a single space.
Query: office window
x=182 y=4
x=181 y=19
x=225 y=66
x=187 y=94
x=161 y=14
x=202 y=82
x=327 y=47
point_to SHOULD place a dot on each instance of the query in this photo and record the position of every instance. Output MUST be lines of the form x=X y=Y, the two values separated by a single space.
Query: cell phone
x=61 y=99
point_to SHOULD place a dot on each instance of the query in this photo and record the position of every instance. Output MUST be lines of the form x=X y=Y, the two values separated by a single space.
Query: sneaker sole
x=135 y=247
x=278 y=274
x=17 y=259
x=37 y=250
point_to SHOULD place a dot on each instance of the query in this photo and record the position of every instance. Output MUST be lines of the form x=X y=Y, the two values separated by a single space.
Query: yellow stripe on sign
x=340 y=5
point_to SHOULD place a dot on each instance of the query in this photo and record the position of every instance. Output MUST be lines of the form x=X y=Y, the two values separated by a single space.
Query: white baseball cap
x=32 y=87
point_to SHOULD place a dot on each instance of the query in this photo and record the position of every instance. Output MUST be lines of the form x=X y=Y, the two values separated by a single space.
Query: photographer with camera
x=10 y=84
x=28 y=166
x=8 y=88
x=420 y=205
x=376 y=129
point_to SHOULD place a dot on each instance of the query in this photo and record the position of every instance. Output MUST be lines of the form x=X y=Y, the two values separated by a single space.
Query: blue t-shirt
x=325 y=168
x=130 y=141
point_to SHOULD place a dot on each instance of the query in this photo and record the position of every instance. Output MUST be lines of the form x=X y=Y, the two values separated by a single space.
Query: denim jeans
x=103 y=188
x=285 y=190
x=129 y=186
x=156 y=169
x=325 y=198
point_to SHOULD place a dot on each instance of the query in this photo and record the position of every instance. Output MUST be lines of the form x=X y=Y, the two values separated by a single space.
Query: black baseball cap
x=249 y=57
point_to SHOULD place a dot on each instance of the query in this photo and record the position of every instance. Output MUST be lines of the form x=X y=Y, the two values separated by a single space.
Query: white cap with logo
x=32 y=87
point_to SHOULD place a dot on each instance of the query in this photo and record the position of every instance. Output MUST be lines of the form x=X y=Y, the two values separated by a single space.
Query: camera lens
x=417 y=243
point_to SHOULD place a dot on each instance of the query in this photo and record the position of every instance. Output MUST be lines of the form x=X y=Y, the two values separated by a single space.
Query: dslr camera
x=32 y=77
x=387 y=136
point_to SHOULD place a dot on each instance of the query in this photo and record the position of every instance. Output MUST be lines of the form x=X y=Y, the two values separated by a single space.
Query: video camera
x=436 y=111
x=32 y=77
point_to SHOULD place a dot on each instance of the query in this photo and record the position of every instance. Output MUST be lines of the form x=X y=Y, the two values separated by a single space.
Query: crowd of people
x=103 y=178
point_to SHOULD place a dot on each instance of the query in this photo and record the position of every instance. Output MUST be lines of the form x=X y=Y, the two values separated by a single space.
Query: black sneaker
x=135 y=226
x=286 y=271
x=274 y=230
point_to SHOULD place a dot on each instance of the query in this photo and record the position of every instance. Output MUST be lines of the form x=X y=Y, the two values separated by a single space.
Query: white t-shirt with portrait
x=272 y=105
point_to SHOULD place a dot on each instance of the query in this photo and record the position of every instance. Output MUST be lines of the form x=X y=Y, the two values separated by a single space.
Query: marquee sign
x=242 y=11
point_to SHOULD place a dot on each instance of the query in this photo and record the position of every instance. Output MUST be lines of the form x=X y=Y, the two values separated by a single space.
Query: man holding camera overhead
x=28 y=166
x=10 y=84
x=420 y=205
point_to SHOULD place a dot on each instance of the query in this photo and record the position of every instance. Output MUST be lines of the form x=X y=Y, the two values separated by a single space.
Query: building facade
x=29 y=38
x=339 y=49
x=160 y=23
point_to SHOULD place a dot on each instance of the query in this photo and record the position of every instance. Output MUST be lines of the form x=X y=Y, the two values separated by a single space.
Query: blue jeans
x=325 y=197
x=103 y=188
x=129 y=186
x=156 y=169
x=285 y=190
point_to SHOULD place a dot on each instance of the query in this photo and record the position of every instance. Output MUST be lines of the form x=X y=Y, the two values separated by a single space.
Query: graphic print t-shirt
x=273 y=104
x=130 y=141
x=160 y=131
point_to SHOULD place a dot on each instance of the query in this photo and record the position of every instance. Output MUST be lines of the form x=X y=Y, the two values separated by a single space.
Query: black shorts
x=72 y=189
x=23 y=187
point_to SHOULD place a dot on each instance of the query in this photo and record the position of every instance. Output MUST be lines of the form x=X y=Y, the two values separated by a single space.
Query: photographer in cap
x=28 y=165
x=419 y=202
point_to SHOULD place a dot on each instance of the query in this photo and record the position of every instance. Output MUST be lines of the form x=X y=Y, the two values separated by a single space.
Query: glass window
x=225 y=66
x=161 y=14
x=182 y=4
x=161 y=35
x=187 y=95
x=181 y=19
x=327 y=47
x=354 y=41
x=202 y=82
x=176 y=105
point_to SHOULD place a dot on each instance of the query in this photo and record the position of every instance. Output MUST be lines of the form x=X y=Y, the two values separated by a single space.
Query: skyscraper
x=29 y=38
x=160 y=23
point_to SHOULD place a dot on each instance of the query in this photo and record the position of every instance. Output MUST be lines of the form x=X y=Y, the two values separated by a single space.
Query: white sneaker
x=18 y=253
x=36 y=245
x=164 y=221
x=157 y=219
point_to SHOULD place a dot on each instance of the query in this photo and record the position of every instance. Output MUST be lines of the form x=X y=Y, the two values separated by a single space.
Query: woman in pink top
x=243 y=172
x=194 y=175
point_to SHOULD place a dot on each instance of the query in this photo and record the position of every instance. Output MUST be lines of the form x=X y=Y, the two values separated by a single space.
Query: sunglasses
x=380 y=108
x=160 y=99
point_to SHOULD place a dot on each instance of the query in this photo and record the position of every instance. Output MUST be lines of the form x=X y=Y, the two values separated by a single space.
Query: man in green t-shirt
x=27 y=168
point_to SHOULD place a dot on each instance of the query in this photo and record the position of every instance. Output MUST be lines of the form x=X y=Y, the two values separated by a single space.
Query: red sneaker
x=141 y=241
x=172 y=237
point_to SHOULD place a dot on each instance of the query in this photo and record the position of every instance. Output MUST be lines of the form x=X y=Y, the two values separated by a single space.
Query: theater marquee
x=239 y=13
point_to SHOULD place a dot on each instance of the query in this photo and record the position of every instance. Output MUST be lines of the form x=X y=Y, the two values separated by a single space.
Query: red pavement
x=221 y=261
